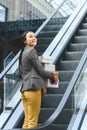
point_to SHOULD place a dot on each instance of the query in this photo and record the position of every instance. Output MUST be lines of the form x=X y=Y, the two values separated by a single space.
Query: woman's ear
x=25 y=42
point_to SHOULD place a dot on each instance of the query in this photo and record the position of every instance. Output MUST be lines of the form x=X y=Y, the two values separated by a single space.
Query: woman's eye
x=30 y=36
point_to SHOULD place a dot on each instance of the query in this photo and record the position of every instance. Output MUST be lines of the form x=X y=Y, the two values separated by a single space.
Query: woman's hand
x=54 y=79
x=44 y=90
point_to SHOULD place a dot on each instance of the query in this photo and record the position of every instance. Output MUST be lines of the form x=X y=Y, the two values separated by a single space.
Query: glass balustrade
x=80 y=88
x=11 y=83
x=79 y=100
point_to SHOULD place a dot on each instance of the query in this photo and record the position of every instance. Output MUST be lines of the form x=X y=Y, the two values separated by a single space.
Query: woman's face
x=31 y=39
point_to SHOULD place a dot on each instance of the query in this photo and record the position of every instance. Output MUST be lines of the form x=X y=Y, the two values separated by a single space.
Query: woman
x=33 y=76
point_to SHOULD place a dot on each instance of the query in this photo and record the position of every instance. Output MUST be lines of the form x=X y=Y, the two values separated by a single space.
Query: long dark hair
x=23 y=38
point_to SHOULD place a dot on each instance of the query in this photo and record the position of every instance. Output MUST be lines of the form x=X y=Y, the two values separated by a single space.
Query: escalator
x=66 y=60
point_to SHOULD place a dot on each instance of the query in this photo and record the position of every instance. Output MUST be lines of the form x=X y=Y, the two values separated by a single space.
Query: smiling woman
x=33 y=76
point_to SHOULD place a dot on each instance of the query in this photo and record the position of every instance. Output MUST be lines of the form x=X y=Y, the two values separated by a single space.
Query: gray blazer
x=32 y=72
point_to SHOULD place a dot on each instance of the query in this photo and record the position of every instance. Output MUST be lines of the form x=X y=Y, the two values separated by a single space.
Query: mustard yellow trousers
x=31 y=103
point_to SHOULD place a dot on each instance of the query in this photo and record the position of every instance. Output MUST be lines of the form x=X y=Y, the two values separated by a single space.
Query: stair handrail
x=54 y=45
x=66 y=94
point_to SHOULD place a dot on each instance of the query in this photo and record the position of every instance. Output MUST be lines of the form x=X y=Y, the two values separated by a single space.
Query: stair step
x=73 y=55
x=85 y=20
x=65 y=75
x=56 y=127
x=47 y=34
x=80 y=39
x=67 y=65
x=63 y=118
x=82 y=32
x=53 y=100
x=48 y=100
x=60 y=90
x=44 y=40
x=41 y=49
x=77 y=47
x=43 y=43
x=84 y=26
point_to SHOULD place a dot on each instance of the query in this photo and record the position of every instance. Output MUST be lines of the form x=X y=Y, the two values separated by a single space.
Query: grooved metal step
x=84 y=26
x=82 y=32
x=80 y=39
x=77 y=47
x=60 y=90
x=52 y=101
x=67 y=65
x=56 y=127
x=47 y=34
x=63 y=118
x=68 y=76
x=75 y=55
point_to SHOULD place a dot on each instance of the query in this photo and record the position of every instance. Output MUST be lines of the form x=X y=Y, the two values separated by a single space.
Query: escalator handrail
x=53 y=47
x=36 y=33
x=67 y=35
x=67 y=93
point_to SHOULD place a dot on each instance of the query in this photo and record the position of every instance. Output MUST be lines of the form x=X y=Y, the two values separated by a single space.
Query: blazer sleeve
x=34 y=60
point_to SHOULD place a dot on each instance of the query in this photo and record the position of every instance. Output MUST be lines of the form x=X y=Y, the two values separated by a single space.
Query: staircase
x=66 y=67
